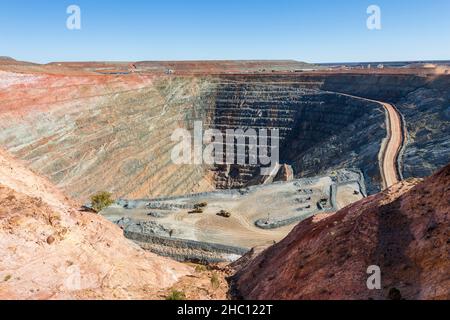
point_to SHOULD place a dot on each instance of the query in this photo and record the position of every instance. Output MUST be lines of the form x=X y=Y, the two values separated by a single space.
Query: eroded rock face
x=427 y=116
x=322 y=129
x=49 y=250
x=317 y=129
x=424 y=102
x=91 y=132
x=403 y=230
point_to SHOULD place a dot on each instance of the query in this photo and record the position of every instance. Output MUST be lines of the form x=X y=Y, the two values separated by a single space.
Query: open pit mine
x=353 y=146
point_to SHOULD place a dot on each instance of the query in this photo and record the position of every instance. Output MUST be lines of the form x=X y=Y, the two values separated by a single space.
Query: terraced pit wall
x=112 y=133
x=317 y=129
x=94 y=133
x=424 y=103
x=422 y=99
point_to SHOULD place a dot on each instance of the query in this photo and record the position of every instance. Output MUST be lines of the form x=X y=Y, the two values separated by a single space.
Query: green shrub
x=101 y=200
x=200 y=268
x=176 y=295
x=215 y=282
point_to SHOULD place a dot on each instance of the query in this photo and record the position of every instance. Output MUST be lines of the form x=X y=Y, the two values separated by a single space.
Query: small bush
x=176 y=295
x=215 y=282
x=200 y=268
x=101 y=201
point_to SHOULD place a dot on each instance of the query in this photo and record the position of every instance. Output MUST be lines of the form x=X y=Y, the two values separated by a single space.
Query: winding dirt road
x=391 y=145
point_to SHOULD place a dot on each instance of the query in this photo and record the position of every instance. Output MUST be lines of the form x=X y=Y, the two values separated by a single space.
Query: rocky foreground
x=49 y=250
x=403 y=230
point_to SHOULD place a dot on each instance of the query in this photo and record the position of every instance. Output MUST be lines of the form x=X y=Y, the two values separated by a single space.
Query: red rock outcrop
x=90 y=133
x=403 y=230
x=49 y=250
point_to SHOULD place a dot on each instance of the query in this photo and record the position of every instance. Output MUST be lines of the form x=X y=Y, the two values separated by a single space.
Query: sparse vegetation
x=101 y=201
x=7 y=278
x=215 y=282
x=200 y=268
x=176 y=295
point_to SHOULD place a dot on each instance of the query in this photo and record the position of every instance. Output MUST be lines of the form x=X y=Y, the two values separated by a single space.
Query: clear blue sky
x=313 y=31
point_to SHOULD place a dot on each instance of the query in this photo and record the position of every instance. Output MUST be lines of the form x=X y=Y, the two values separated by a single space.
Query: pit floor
x=279 y=201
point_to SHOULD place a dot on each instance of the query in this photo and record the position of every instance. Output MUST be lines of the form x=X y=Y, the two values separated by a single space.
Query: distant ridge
x=6 y=58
